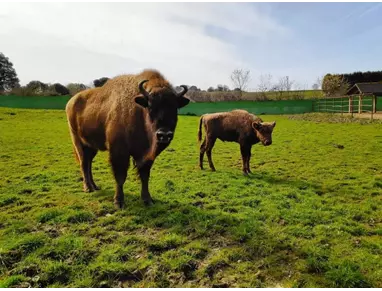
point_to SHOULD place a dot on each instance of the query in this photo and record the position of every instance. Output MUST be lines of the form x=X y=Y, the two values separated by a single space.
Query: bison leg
x=245 y=155
x=83 y=158
x=144 y=174
x=209 y=146
x=248 y=159
x=120 y=165
x=91 y=153
x=202 y=151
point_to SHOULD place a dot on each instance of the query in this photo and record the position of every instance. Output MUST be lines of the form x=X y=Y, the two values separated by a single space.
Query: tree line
x=10 y=83
x=282 y=88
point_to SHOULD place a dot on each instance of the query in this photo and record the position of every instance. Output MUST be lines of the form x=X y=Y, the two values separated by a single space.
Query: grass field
x=309 y=216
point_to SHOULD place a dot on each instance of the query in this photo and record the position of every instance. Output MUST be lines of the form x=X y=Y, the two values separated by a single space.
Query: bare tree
x=284 y=85
x=265 y=83
x=318 y=84
x=240 y=79
x=298 y=92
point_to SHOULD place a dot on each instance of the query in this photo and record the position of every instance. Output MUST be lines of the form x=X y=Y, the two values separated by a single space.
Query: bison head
x=162 y=106
x=263 y=131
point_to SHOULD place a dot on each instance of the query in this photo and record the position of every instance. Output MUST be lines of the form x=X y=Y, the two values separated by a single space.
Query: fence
x=197 y=108
x=255 y=107
x=348 y=104
x=34 y=102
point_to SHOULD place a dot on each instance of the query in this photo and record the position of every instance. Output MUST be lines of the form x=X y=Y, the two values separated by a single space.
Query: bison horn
x=142 y=90
x=185 y=89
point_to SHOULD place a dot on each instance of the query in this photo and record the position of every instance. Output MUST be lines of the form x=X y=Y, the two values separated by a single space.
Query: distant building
x=366 y=89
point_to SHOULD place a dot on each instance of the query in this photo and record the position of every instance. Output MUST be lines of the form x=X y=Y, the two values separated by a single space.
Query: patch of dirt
x=9 y=258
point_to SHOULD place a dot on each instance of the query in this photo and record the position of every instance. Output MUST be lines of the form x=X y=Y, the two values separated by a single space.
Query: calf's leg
x=210 y=144
x=245 y=155
x=202 y=151
x=248 y=160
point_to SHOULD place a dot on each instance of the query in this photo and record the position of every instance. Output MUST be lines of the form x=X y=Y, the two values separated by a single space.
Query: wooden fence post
x=351 y=105
x=360 y=104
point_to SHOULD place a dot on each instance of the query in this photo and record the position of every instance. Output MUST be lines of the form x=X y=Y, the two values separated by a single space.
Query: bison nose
x=164 y=136
x=267 y=142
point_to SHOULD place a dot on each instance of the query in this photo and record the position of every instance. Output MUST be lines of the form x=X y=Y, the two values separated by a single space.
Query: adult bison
x=235 y=126
x=130 y=116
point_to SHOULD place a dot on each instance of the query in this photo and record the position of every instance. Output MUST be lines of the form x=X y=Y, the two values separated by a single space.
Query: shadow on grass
x=298 y=184
x=187 y=216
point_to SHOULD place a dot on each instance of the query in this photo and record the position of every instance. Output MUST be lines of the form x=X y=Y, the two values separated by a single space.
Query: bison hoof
x=245 y=174
x=88 y=189
x=148 y=202
x=118 y=204
x=96 y=188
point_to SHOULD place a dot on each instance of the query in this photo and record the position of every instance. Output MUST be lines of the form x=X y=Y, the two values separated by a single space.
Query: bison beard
x=127 y=120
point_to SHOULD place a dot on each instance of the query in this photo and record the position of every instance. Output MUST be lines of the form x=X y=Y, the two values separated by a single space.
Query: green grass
x=333 y=118
x=309 y=215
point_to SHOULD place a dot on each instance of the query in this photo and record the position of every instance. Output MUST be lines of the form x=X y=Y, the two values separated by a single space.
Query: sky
x=190 y=43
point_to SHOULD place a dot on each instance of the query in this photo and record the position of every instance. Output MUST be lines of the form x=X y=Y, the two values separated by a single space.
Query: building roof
x=366 y=88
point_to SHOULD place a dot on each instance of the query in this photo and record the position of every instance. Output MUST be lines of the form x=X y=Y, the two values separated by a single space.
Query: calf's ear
x=256 y=125
x=182 y=101
x=273 y=124
x=140 y=100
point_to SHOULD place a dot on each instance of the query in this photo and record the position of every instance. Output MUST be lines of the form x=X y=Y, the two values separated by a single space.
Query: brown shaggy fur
x=120 y=118
x=235 y=126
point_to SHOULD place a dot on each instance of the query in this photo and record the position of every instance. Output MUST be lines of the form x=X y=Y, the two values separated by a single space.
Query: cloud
x=82 y=41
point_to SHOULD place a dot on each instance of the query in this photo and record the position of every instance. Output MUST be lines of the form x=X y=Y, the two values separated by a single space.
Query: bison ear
x=256 y=125
x=140 y=100
x=182 y=101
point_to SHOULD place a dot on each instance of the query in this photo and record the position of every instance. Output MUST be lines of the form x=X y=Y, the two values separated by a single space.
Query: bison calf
x=129 y=116
x=235 y=126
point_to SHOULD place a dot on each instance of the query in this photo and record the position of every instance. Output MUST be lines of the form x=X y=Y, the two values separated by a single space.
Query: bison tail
x=76 y=155
x=200 y=129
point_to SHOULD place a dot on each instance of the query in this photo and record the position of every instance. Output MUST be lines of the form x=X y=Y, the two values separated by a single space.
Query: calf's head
x=162 y=106
x=263 y=131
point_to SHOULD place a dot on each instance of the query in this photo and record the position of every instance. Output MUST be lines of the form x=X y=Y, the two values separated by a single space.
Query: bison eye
x=141 y=101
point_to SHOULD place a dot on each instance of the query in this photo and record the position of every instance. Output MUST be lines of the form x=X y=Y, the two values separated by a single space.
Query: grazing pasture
x=310 y=215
